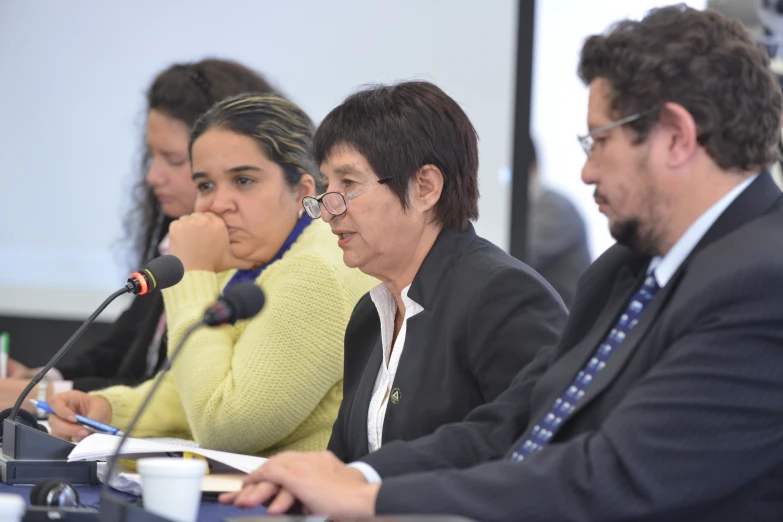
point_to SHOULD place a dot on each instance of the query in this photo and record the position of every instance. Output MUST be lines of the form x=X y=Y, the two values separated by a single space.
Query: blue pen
x=81 y=419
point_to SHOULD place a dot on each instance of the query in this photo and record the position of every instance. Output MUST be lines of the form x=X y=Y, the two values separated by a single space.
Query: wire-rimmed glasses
x=336 y=203
x=587 y=141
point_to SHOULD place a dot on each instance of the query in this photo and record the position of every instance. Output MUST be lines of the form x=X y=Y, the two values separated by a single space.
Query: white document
x=100 y=446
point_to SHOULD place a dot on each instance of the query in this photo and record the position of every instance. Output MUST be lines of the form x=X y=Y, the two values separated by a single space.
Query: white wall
x=71 y=101
x=559 y=100
x=74 y=74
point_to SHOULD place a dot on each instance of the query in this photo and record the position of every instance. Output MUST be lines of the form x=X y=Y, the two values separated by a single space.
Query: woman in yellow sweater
x=273 y=382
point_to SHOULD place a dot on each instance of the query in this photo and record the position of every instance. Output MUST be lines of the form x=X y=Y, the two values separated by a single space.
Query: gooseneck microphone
x=162 y=272
x=240 y=301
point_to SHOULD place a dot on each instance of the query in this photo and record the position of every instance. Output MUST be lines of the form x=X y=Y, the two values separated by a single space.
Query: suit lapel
x=751 y=203
x=552 y=383
x=754 y=201
x=409 y=370
x=361 y=403
x=428 y=284
x=436 y=268
x=631 y=342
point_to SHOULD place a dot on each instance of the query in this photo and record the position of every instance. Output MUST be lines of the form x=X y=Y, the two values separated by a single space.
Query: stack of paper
x=100 y=446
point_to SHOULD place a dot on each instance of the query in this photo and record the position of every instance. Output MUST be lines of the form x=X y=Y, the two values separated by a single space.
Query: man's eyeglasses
x=336 y=203
x=587 y=140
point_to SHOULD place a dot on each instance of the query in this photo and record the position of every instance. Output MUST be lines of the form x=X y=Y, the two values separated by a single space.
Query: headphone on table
x=54 y=492
x=22 y=417
x=51 y=492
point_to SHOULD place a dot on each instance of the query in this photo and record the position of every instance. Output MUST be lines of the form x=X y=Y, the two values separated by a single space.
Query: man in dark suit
x=663 y=399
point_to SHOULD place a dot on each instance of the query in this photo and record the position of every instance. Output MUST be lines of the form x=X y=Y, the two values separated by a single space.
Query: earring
x=301 y=213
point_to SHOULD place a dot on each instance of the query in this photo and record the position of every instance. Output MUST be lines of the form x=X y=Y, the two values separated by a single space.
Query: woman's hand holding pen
x=66 y=405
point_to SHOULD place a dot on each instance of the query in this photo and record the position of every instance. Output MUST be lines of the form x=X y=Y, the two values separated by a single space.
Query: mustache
x=600 y=198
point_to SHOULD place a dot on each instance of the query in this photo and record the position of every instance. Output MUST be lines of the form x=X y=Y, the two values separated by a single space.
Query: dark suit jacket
x=121 y=358
x=485 y=315
x=685 y=423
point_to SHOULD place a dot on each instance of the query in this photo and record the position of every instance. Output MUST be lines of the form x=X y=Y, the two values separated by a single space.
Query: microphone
x=240 y=301
x=28 y=455
x=162 y=272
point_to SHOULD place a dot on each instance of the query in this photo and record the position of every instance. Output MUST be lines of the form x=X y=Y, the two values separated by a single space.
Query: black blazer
x=684 y=424
x=121 y=358
x=485 y=315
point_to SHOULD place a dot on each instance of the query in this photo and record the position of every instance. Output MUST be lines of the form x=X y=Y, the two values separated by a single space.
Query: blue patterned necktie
x=564 y=406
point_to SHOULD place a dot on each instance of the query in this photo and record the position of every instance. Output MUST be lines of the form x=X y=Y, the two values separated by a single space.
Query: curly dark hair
x=401 y=128
x=702 y=61
x=183 y=91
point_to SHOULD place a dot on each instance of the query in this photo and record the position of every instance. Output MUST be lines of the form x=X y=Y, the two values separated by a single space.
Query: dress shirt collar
x=664 y=267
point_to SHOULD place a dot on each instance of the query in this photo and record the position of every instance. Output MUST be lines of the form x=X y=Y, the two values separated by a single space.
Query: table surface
x=209 y=511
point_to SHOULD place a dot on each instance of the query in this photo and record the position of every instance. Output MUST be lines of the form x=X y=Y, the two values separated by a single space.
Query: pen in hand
x=87 y=422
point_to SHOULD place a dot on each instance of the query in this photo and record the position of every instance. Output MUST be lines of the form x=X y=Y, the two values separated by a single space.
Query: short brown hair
x=702 y=61
x=401 y=128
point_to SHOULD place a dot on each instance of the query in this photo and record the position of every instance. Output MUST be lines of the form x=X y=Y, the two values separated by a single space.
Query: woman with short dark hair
x=455 y=317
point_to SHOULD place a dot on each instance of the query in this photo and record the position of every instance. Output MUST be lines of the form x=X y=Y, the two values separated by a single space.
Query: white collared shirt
x=386 y=304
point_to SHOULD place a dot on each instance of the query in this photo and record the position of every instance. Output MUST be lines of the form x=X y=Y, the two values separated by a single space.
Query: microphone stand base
x=47 y=514
x=29 y=456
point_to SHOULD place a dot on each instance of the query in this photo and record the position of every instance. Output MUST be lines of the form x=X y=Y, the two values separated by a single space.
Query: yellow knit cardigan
x=264 y=385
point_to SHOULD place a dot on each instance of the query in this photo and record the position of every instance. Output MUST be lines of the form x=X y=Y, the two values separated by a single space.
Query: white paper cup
x=12 y=507
x=171 y=487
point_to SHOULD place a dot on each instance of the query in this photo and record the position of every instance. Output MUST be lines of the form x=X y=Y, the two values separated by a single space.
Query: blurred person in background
x=557 y=246
x=764 y=21
x=137 y=343
x=770 y=15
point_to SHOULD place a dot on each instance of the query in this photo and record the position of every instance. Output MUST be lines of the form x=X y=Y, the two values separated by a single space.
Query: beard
x=639 y=236
x=631 y=234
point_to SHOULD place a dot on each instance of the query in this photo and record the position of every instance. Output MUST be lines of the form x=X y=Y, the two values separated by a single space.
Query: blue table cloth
x=90 y=496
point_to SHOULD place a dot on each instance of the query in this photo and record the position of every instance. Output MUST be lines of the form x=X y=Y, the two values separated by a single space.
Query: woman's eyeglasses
x=336 y=203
